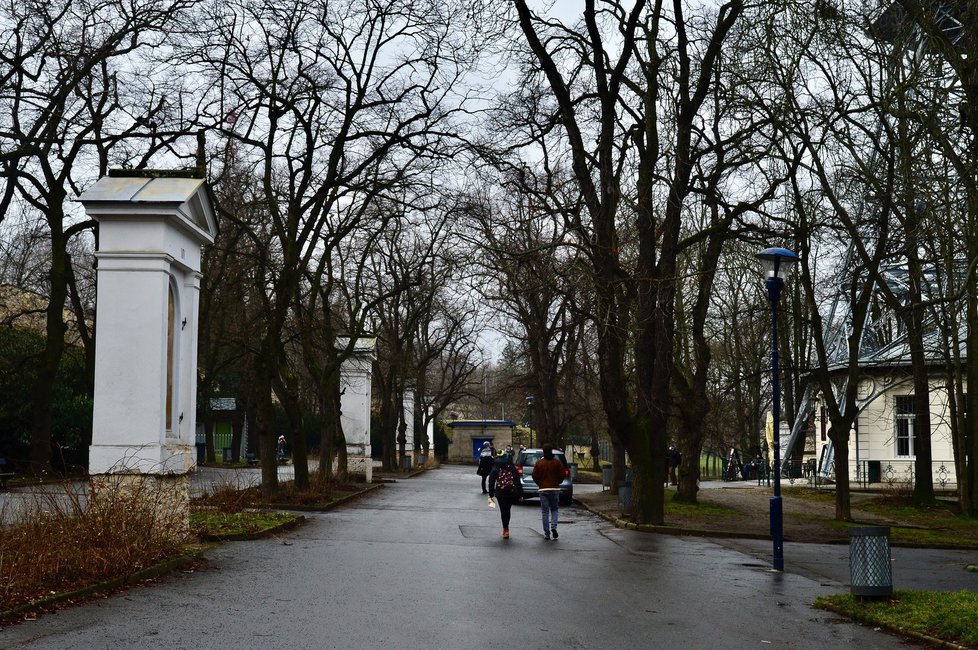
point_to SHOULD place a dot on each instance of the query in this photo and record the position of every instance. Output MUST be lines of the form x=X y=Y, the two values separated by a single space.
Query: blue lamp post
x=777 y=263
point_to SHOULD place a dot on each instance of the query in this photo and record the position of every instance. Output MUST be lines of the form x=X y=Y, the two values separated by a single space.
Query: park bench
x=250 y=458
x=4 y=474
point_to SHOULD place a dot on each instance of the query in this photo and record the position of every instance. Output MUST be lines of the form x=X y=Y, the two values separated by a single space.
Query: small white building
x=467 y=437
x=882 y=443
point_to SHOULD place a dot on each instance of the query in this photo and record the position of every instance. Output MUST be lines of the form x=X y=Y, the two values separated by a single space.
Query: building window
x=904 y=425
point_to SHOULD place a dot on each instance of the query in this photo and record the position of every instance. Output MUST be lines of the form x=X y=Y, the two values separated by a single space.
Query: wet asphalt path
x=420 y=564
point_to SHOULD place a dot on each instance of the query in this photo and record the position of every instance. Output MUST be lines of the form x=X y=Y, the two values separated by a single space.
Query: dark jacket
x=485 y=466
x=548 y=473
x=506 y=461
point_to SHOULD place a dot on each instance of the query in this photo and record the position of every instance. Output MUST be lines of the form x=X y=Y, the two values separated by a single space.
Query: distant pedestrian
x=548 y=474
x=505 y=487
x=486 y=459
x=675 y=458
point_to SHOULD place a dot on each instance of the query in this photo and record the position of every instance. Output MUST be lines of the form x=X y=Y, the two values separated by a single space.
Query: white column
x=356 y=373
x=151 y=229
x=407 y=405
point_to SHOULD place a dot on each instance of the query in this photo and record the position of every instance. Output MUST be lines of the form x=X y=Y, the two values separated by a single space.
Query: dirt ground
x=805 y=519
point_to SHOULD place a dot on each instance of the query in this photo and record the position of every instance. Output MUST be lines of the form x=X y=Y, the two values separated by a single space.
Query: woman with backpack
x=505 y=487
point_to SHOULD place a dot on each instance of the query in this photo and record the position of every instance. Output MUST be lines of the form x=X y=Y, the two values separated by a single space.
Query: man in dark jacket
x=675 y=458
x=548 y=473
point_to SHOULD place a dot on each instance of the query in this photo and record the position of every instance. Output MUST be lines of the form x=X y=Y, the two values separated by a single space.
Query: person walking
x=548 y=473
x=505 y=487
x=486 y=461
x=675 y=458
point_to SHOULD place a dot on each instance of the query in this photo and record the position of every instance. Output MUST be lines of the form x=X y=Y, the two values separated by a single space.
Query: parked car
x=526 y=459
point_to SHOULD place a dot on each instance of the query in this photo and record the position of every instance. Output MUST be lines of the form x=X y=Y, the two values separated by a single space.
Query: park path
x=420 y=563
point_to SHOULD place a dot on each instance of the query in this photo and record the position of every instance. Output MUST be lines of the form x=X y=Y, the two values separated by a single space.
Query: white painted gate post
x=356 y=374
x=411 y=446
x=151 y=229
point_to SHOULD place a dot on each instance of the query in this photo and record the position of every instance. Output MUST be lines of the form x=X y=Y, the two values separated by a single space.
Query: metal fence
x=899 y=473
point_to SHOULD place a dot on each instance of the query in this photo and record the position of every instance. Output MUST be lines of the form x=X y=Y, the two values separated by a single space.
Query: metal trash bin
x=625 y=497
x=870 y=568
x=406 y=463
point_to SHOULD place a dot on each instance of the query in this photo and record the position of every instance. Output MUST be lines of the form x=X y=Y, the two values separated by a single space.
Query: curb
x=154 y=571
x=326 y=507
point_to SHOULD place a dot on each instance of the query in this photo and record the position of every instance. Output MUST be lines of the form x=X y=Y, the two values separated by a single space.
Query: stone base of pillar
x=160 y=500
x=145 y=459
x=361 y=465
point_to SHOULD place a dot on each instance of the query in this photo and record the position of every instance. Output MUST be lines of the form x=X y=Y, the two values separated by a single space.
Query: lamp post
x=777 y=263
x=529 y=416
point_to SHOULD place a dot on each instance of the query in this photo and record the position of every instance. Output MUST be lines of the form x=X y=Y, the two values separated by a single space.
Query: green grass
x=221 y=524
x=946 y=616
x=902 y=508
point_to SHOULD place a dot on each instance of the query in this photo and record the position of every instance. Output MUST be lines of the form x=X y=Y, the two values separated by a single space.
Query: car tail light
x=519 y=470
x=567 y=472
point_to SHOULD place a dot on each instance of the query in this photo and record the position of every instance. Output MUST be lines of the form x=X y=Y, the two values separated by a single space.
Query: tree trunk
x=332 y=434
x=288 y=397
x=265 y=426
x=42 y=392
x=237 y=432
x=209 y=438
x=840 y=443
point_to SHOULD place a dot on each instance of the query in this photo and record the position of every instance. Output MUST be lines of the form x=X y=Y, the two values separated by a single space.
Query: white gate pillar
x=151 y=229
x=407 y=405
x=356 y=374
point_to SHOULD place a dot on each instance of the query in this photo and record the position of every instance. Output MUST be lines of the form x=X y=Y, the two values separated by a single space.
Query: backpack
x=505 y=482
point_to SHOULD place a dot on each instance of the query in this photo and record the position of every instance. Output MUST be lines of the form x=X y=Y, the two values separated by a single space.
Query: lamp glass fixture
x=777 y=262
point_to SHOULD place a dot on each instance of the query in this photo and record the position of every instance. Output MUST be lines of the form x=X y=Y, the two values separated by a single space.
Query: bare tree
x=66 y=108
x=533 y=277
x=334 y=104
x=660 y=71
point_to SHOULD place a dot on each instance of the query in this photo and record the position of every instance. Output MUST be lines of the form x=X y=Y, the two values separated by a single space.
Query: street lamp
x=777 y=262
x=529 y=416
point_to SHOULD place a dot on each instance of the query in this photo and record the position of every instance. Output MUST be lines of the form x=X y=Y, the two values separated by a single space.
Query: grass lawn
x=946 y=616
x=215 y=524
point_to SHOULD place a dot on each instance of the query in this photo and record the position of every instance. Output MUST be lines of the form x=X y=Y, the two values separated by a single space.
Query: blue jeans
x=549 y=501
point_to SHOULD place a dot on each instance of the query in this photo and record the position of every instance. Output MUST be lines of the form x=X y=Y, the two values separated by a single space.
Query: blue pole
x=777 y=526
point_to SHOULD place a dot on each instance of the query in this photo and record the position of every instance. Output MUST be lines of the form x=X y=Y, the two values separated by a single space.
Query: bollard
x=870 y=570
